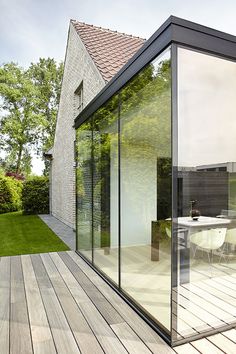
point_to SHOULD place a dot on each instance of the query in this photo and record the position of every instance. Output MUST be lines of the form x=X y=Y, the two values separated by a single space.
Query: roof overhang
x=174 y=30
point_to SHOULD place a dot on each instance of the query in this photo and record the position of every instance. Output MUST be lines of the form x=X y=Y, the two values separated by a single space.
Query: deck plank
x=226 y=283
x=41 y=334
x=19 y=322
x=104 y=306
x=231 y=334
x=223 y=343
x=152 y=340
x=130 y=339
x=56 y=303
x=64 y=340
x=228 y=311
x=103 y=332
x=216 y=285
x=196 y=310
x=4 y=304
x=185 y=316
x=205 y=346
x=85 y=338
x=222 y=316
x=218 y=293
x=186 y=349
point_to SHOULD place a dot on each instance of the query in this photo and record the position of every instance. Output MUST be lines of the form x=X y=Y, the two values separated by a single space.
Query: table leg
x=155 y=245
x=184 y=269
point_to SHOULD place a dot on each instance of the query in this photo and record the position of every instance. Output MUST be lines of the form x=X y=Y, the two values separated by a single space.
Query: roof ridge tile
x=110 y=50
x=75 y=22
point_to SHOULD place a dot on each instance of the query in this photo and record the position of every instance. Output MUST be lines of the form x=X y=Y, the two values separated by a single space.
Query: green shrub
x=35 y=195
x=10 y=194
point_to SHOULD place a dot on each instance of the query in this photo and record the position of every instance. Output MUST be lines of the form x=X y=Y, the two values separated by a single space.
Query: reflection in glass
x=124 y=189
x=206 y=177
x=145 y=197
x=84 y=188
x=105 y=188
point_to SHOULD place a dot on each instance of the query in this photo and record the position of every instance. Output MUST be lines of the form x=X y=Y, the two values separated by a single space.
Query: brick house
x=157 y=140
x=93 y=56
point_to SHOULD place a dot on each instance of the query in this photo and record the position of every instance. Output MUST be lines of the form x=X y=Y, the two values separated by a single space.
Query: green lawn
x=25 y=234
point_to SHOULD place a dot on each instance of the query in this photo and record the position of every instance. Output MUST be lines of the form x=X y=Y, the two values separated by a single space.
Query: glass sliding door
x=105 y=188
x=205 y=227
x=84 y=189
x=145 y=194
x=124 y=190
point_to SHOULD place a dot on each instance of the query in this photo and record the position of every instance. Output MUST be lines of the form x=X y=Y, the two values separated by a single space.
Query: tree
x=19 y=124
x=47 y=77
x=28 y=110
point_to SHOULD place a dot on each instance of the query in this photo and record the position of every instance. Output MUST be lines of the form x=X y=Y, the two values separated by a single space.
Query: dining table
x=183 y=228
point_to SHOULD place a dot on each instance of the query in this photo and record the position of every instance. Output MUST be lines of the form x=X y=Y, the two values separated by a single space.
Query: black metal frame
x=174 y=33
x=174 y=157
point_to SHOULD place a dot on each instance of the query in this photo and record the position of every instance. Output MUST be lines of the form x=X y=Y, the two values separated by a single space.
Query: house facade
x=93 y=57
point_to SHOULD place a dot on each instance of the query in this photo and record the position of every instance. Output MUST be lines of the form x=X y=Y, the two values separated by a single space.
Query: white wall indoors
x=138 y=195
x=207 y=108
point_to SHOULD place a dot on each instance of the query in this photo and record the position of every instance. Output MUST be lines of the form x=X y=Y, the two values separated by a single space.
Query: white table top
x=203 y=221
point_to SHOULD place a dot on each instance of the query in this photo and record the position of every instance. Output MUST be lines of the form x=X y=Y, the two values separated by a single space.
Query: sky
x=30 y=29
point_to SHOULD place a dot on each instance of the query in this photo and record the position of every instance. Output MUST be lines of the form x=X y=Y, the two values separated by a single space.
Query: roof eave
x=173 y=30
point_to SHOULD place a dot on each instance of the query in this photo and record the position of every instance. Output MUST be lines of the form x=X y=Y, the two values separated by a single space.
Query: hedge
x=35 y=195
x=10 y=194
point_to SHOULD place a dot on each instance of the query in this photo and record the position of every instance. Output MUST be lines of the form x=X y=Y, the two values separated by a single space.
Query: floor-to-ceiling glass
x=145 y=188
x=124 y=179
x=84 y=186
x=205 y=294
x=105 y=188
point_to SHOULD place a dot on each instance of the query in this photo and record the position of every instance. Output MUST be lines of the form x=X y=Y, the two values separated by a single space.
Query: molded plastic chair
x=230 y=239
x=209 y=240
x=231 y=236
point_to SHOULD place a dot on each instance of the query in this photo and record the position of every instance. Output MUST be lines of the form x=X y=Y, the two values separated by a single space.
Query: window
x=78 y=99
x=206 y=137
x=124 y=189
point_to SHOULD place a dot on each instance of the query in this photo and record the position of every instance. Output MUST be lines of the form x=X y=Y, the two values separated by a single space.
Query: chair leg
x=210 y=261
x=209 y=257
x=195 y=250
x=222 y=255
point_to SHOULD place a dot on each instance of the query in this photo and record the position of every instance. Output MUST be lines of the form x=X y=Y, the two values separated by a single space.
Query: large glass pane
x=145 y=144
x=105 y=188
x=84 y=188
x=206 y=225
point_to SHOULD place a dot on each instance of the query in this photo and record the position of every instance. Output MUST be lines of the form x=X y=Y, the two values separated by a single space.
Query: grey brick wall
x=78 y=67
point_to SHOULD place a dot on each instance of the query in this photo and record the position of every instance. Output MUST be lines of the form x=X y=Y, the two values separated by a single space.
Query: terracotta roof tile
x=110 y=50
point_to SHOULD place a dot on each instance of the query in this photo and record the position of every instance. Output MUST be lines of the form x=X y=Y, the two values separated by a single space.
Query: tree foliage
x=19 y=122
x=29 y=100
x=35 y=195
x=47 y=77
x=10 y=194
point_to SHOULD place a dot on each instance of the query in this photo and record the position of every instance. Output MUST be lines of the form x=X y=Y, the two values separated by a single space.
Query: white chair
x=209 y=240
x=230 y=239
x=231 y=236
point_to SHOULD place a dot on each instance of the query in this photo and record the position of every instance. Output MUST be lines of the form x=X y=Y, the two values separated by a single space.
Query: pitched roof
x=110 y=50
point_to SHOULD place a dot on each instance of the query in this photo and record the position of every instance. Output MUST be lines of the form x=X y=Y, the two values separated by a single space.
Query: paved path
x=66 y=233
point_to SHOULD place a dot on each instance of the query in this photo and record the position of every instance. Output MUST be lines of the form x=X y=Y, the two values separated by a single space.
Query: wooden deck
x=55 y=303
